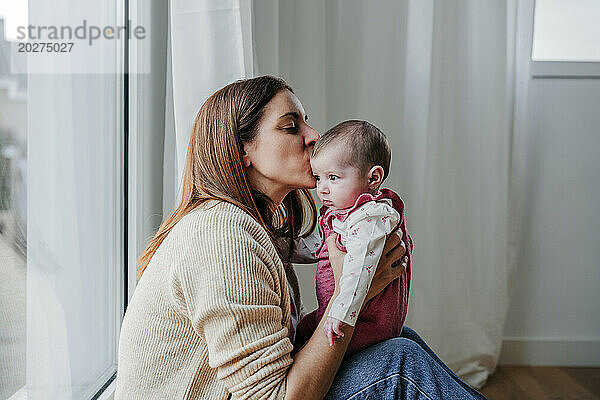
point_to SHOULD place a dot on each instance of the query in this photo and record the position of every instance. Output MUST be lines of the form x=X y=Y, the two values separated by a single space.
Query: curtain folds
x=439 y=79
x=74 y=221
x=208 y=50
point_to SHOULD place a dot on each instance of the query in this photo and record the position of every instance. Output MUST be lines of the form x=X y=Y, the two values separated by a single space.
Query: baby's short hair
x=367 y=145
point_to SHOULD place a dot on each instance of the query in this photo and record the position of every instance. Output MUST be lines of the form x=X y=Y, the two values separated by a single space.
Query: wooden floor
x=543 y=383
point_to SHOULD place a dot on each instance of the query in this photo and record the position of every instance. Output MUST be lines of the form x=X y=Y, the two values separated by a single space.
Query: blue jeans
x=399 y=368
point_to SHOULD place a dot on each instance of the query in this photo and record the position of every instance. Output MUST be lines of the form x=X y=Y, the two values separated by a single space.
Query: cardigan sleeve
x=233 y=292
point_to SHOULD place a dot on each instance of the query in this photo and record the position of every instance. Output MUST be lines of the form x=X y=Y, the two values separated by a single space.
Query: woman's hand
x=393 y=250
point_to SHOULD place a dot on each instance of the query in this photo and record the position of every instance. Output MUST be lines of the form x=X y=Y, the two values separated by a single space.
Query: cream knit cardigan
x=210 y=314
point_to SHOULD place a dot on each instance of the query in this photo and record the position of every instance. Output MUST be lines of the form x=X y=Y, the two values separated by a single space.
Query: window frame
x=139 y=203
x=123 y=286
x=565 y=69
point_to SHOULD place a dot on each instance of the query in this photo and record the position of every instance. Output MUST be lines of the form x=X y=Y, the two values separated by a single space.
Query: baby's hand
x=333 y=329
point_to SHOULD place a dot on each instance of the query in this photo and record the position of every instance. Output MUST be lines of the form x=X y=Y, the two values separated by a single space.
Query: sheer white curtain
x=210 y=46
x=74 y=224
x=461 y=295
x=438 y=77
x=197 y=47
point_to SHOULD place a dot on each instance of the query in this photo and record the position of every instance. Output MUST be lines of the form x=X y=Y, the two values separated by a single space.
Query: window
x=566 y=30
x=566 y=39
x=62 y=218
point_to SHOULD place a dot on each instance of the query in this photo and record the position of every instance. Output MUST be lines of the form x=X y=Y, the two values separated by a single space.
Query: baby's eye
x=333 y=177
x=316 y=177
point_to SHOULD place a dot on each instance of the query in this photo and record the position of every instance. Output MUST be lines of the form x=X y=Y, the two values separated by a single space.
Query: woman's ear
x=245 y=156
x=375 y=176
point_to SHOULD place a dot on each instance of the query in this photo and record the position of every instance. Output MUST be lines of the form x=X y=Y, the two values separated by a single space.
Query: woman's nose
x=310 y=137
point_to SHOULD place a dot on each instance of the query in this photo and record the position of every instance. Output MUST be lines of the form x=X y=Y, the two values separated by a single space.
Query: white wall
x=554 y=314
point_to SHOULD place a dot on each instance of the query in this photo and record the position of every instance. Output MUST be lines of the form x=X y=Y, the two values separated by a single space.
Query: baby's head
x=350 y=159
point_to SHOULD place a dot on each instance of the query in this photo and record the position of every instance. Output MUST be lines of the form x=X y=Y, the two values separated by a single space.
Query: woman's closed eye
x=291 y=127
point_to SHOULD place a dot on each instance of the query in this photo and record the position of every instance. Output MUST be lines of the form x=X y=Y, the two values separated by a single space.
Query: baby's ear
x=375 y=175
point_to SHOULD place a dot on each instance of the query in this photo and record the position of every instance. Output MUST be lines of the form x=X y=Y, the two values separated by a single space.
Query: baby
x=350 y=162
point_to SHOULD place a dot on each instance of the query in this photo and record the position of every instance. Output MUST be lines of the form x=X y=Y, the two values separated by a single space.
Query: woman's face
x=278 y=158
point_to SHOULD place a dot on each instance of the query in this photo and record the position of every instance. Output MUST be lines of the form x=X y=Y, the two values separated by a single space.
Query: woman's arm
x=232 y=291
x=316 y=364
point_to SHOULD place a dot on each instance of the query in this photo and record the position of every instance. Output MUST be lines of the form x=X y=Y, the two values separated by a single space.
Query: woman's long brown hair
x=214 y=166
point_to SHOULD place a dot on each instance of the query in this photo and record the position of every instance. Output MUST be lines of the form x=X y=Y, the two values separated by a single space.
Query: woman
x=213 y=314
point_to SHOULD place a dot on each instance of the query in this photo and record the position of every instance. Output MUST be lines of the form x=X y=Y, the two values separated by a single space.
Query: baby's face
x=338 y=184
